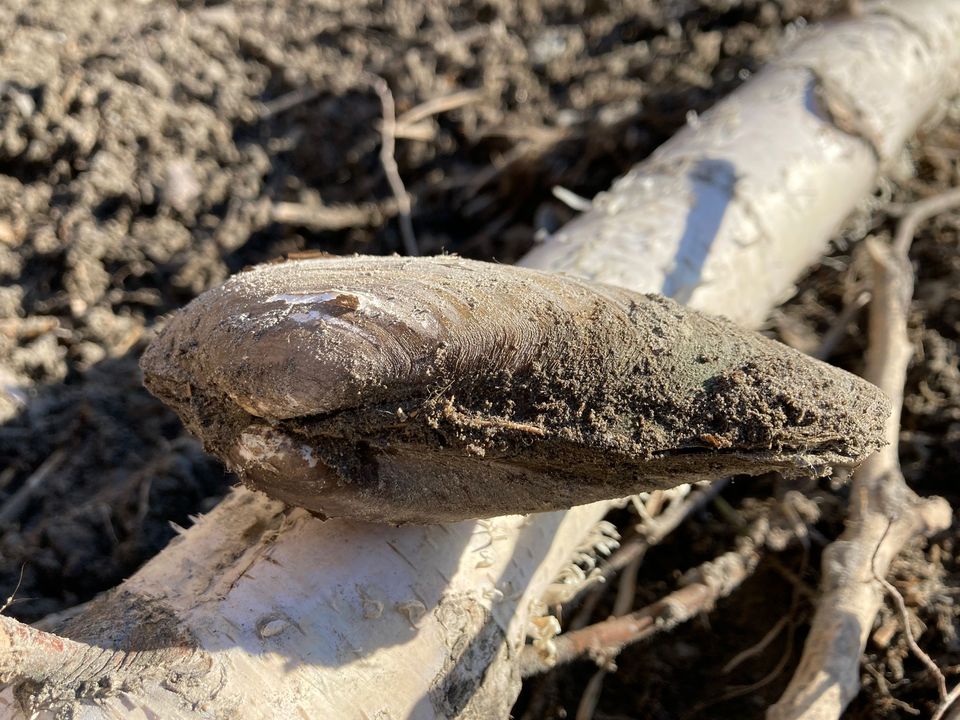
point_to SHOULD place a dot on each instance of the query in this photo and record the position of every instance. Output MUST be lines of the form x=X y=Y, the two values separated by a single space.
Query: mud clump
x=440 y=389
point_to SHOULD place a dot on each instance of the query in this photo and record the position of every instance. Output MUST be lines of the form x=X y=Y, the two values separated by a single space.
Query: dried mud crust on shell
x=438 y=389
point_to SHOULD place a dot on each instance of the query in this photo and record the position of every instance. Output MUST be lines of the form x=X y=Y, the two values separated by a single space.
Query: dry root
x=884 y=515
x=700 y=589
x=776 y=526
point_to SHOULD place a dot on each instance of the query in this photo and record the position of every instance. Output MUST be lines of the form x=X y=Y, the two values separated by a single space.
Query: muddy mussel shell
x=437 y=389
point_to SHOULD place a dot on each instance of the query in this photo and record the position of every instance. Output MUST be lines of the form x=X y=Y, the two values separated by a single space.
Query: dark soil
x=148 y=150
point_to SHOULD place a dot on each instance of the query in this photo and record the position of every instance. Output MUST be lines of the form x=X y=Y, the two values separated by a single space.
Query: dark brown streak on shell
x=439 y=389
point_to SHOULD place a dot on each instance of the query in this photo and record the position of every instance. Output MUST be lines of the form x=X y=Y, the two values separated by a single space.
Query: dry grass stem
x=389 y=161
x=921 y=211
x=436 y=106
x=333 y=217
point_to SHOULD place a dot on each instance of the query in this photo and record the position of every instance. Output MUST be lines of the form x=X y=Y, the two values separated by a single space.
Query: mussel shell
x=437 y=389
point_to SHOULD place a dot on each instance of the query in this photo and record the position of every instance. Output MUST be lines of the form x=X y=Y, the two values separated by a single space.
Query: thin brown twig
x=626 y=594
x=797 y=581
x=332 y=217
x=905 y=619
x=838 y=329
x=652 y=532
x=911 y=640
x=627 y=589
x=918 y=213
x=423 y=131
x=411 y=125
x=701 y=588
x=288 y=101
x=884 y=515
x=790 y=621
x=14 y=506
x=758 y=647
x=389 y=162
x=883 y=687
x=736 y=692
x=591 y=695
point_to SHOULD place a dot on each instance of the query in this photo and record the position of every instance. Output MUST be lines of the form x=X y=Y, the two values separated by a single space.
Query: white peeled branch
x=278 y=614
x=755 y=187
